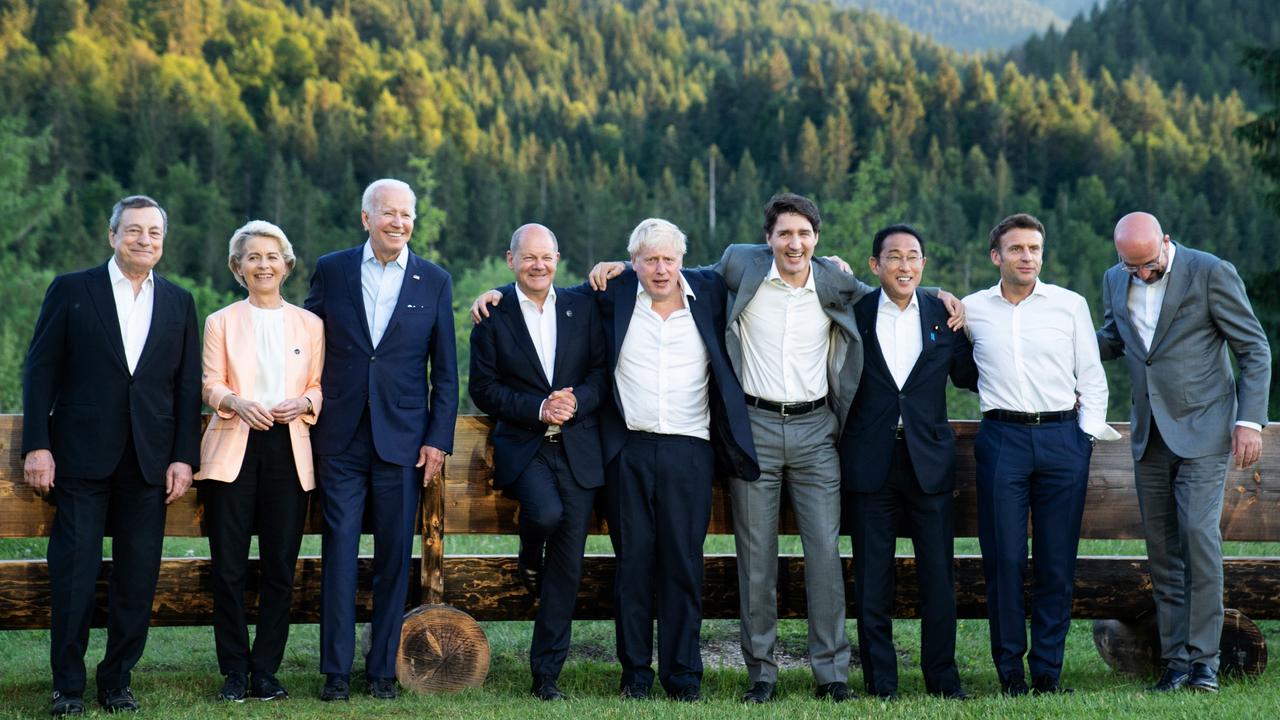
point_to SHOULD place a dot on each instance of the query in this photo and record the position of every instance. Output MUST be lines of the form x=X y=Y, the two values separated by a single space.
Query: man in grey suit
x=1173 y=312
x=794 y=344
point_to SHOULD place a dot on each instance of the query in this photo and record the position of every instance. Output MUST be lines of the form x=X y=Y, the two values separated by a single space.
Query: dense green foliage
x=977 y=24
x=587 y=116
x=1197 y=43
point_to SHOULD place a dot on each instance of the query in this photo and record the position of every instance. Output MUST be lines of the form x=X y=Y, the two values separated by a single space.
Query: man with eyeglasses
x=897 y=460
x=1173 y=312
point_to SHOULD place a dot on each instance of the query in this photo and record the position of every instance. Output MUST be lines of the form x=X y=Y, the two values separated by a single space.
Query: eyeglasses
x=896 y=259
x=1153 y=266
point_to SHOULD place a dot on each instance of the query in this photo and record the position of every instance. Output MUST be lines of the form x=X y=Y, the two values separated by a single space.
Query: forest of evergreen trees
x=588 y=116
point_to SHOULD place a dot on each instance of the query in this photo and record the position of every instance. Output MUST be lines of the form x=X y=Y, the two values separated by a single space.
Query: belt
x=899 y=433
x=1031 y=418
x=557 y=438
x=786 y=409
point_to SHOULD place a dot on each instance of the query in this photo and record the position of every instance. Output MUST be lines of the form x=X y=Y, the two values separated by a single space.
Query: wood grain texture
x=1251 y=503
x=485 y=586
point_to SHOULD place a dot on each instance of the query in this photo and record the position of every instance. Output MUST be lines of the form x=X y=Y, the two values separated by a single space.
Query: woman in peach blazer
x=262 y=363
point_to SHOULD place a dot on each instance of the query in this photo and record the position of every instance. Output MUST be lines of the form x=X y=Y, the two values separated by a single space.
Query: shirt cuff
x=1250 y=425
x=1101 y=431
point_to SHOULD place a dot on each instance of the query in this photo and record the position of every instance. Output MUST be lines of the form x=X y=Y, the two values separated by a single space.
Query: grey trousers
x=1181 y=501
x=800 y=452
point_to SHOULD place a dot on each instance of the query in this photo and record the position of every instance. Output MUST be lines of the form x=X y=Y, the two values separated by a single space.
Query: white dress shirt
x=1145 y=300
x=898 y=332
x=381 y=285
x=269 y=341
x=1038 y=355
x=786 y=337
x=663 y=373
x=132 y=312
x=541 y=325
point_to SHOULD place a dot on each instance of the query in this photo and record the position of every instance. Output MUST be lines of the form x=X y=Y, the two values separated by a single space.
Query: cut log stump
x=1133 y=647
x=442 y=649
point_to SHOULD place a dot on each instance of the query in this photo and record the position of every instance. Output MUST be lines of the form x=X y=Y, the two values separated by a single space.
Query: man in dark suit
x=538 y=368
x=1173 y=313
x=111 y=435
x=897 y=459
x=390 y=385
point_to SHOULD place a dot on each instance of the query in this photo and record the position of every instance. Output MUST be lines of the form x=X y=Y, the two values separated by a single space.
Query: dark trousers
x=900 y=506
x=347 y=482
x=555 y=513
x=1044 y=468
x=85 y=509
x=659 y=507
x=266 y=496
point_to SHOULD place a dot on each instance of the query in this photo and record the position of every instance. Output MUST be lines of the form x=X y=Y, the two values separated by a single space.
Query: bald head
x=1138 y=234
x=1140 y=244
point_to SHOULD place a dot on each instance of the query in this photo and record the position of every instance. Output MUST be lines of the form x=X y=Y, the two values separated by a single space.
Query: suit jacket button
x=1148 y=363
x=374 y=358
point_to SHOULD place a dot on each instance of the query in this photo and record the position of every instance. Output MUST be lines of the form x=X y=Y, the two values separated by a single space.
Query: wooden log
x=442 y=649
x=486 y=587
x=1250 y=504
x=1133 y=647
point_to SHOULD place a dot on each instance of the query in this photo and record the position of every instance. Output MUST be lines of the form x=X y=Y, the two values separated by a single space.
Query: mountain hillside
x=969 y=25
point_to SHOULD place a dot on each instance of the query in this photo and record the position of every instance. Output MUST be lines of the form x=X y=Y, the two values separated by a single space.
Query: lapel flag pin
x=417 y=277
x=568 y=313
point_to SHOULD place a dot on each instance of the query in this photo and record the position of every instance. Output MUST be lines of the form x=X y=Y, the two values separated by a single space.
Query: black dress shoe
x=382 y=688
x=637 y=691
x=836 y=692
x=688 y=694
x=530 y=577
x=336 y=687
x=1045 y=685
x=1016 y=687
x=1170 y=680
x=956 y=693
x=761 y=692
x=265 y=686
x=115 y=700
x=1202 y=678
x=884 y=696
x=544 y=688
x=235 y=688
x=66 y=703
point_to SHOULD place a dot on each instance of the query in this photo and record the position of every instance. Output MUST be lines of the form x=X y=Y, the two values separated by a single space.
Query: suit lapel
x=163 y=307
x=1179 y=281
x=409 y=285
x=623 y=307
x=355 y=290
x=104 y=302
x=867 y=314
x=513 y=318
x=752 y=277
x=830 y=299
x=930 y=325
x=564 y=326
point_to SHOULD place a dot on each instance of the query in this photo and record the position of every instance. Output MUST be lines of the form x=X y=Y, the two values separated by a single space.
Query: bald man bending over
x=1173 y=312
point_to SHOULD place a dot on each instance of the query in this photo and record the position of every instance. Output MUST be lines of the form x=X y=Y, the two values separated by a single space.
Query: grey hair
x=132 y=203
x=518 y=235
x=377 y=186
x=655 y=233
x=253 y=229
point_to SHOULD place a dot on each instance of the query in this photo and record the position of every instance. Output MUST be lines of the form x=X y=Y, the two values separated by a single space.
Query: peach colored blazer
x=230 y=366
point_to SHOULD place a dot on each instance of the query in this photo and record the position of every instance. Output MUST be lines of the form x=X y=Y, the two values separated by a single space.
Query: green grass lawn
x=177 y=677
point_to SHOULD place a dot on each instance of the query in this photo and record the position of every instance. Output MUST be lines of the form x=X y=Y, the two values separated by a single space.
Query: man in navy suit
x=897 y=458
x=111 y=393
x=390 y=384
x=538 y=368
